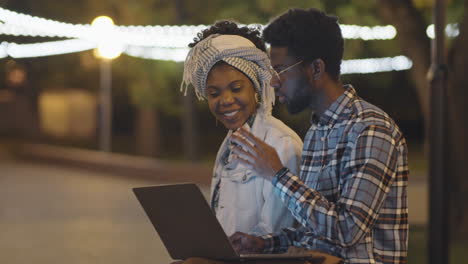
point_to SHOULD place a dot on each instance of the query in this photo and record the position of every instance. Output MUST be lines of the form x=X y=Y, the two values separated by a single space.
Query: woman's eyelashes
x=236 y=89
x=213 y=93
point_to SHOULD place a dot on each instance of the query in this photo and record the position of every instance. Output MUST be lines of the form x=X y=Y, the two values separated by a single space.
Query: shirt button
x=322 y=138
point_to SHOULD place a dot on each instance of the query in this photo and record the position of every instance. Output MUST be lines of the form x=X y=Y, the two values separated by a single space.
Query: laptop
x=188 y=227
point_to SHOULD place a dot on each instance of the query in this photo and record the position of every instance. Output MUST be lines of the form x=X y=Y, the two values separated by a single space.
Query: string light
x=3 y=50
x=361 y=66
x=43 y=27
x=167 y=43
x=45 y=49
x=157 y=53
x=368 y=33
x=451 y=30
x=162 y=36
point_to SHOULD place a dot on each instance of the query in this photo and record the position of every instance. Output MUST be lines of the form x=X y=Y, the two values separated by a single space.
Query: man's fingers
x=235 y=238
x=236 y=241
x=249 y=136
x=244 y=243
x=244 y=143
x=248 y=164
x=243 y=154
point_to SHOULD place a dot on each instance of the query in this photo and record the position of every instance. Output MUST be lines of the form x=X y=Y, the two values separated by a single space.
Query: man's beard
x=297 y=104
x=300 y=100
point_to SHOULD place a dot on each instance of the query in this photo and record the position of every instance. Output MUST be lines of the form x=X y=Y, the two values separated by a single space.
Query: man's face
x=291 y=86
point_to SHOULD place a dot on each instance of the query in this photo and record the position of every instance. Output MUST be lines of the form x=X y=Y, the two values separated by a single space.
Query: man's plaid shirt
x=350 y=196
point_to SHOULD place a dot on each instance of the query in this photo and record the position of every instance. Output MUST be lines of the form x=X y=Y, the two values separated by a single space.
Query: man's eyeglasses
x=278 y=73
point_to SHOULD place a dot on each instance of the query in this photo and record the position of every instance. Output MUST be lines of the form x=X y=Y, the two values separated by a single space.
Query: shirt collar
x=331 y=115
x=250 y=121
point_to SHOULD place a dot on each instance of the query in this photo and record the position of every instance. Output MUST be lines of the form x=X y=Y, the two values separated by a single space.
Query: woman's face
x=231 y=95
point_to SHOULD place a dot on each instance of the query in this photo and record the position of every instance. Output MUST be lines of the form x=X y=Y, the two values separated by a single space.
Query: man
x=350 y=195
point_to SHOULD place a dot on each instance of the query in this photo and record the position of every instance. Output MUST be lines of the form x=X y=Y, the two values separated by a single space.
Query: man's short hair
x=308 y=34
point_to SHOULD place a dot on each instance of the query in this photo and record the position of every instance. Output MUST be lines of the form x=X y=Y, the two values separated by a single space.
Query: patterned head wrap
x=236 y=51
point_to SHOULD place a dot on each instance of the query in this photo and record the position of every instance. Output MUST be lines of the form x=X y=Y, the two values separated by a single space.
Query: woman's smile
x=231 y=95
x=229 y=115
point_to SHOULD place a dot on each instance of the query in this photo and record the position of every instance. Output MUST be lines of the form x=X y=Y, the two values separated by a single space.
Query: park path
x=63 y=214
x=54 y=214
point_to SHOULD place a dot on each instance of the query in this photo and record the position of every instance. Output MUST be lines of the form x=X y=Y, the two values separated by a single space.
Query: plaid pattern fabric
x=351 y=194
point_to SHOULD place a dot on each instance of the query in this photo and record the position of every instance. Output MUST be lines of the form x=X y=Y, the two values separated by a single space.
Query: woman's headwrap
x=236 y=51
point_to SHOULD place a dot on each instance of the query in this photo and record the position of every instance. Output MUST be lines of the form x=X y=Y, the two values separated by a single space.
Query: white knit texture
x=236 y=51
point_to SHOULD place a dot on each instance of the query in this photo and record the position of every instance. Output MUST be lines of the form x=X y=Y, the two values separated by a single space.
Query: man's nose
x=275 y=83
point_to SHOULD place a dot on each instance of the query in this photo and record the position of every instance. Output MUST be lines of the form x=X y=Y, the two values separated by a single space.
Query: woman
x=229 y=67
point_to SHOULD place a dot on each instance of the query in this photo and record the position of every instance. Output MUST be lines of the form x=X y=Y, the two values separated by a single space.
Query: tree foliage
x=155 y=84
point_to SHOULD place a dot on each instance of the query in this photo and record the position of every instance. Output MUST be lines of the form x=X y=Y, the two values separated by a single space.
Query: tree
x=411 y=24
x=410 y=17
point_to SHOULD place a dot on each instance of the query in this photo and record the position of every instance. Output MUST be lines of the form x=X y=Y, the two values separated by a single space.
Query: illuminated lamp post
x=108 y=49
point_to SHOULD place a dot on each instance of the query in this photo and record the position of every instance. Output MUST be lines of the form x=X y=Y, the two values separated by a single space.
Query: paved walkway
x=59 y=214
x=52 y=214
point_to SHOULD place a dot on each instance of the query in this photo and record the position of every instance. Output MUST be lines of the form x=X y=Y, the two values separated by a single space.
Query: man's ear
x=319 y=68
x=315 y=69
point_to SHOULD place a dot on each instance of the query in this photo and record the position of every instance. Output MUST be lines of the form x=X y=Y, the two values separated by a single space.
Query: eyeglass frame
x=277 y=74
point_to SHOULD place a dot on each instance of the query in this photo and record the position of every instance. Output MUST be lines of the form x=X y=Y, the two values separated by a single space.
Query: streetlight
x=108 y=49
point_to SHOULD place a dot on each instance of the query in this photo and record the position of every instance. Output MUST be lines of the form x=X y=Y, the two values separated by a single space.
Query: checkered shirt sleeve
x=366 y=179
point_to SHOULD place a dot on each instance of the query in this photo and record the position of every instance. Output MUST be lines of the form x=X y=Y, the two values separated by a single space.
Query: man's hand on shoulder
x=247 y=244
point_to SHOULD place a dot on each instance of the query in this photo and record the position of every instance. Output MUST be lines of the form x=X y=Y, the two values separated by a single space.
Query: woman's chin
x=232 y=126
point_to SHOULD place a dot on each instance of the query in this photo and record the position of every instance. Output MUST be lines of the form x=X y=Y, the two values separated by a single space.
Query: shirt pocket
x=240 y=175
x=241 y=192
